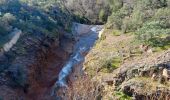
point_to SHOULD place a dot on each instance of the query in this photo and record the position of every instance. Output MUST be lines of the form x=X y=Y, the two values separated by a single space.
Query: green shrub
x=163 y=15
x=152 y=29
x=168 y=3
x=130 y=16
x=115 y=21
x=102 y=15
x=122 y=96
x=153 y=33
x=116 y=32
x=111 y=64
x=135 y=21
x=116 y=4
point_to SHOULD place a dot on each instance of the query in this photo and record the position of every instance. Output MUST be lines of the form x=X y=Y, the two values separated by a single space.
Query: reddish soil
x=43 y=73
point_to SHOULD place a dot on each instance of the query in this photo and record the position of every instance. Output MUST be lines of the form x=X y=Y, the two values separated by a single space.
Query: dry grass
x=149 y=89
x=82 y=89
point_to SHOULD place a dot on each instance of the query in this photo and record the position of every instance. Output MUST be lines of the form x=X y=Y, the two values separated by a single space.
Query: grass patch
x=116 y=32
x=160 y=43
x=150 y=85
x=158 y=49
x=122 y=96
x=113 y=32
x=111 y=64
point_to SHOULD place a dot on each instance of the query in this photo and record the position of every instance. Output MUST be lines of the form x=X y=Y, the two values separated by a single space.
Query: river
x=87 y=36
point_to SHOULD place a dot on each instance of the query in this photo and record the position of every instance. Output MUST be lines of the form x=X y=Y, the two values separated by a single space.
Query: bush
x=152 y=30
x=9 y=17
x=115 y=5
x=135 y=21
x=116 y=19
x=122 y=96
x=163 y=15
x=130 y=16
x=5 y=22
x=101 y=15
x=150 y=4
x=111 y=64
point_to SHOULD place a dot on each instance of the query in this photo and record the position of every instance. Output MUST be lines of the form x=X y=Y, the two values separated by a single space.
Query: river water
x=86 y=40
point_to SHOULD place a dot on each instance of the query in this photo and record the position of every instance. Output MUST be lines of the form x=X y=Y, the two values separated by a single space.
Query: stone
x=149 y=51
x=165 y=73
x=161 y=80
x=168 y=65
x=101 y=33
x=153 y=76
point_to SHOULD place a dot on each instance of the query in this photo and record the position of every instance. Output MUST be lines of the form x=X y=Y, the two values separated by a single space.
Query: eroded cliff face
x=44 y=72
x=31 y=74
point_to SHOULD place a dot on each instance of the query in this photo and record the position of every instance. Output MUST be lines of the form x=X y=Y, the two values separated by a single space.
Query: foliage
x=111 y=64
x=5 y=22
x=115 y=4
x=101 y=15
x=116 y=32
x=92 y=11
x=163 y=15
x=122 y=96
x=37 y=17
x=116 y=19
x=134 y=22
x=148 y=18
x=151 y=30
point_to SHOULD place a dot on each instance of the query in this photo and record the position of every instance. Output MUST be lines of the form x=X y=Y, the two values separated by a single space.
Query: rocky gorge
x=84 y=49
x=59 y=67
x=49 y=64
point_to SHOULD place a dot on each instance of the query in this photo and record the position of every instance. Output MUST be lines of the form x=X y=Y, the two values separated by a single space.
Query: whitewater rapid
x=85 y=43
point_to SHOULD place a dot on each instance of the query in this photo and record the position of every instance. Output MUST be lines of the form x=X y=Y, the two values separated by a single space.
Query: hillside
x=84 y=49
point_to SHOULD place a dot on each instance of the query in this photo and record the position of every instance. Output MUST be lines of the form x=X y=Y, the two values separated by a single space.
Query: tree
x=9 y=17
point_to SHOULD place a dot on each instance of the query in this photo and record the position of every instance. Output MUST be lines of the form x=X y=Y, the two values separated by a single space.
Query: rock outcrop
x=13 y=41
x=141 y=77
x=135 y=79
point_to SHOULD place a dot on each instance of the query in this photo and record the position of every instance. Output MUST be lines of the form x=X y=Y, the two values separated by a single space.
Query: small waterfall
x=84 y=44
x=76 y=58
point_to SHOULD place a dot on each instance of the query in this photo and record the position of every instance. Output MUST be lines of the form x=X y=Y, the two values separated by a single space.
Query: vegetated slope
x=149 y=19
x=109 y=75
x=134 y=49
x=89 y=11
